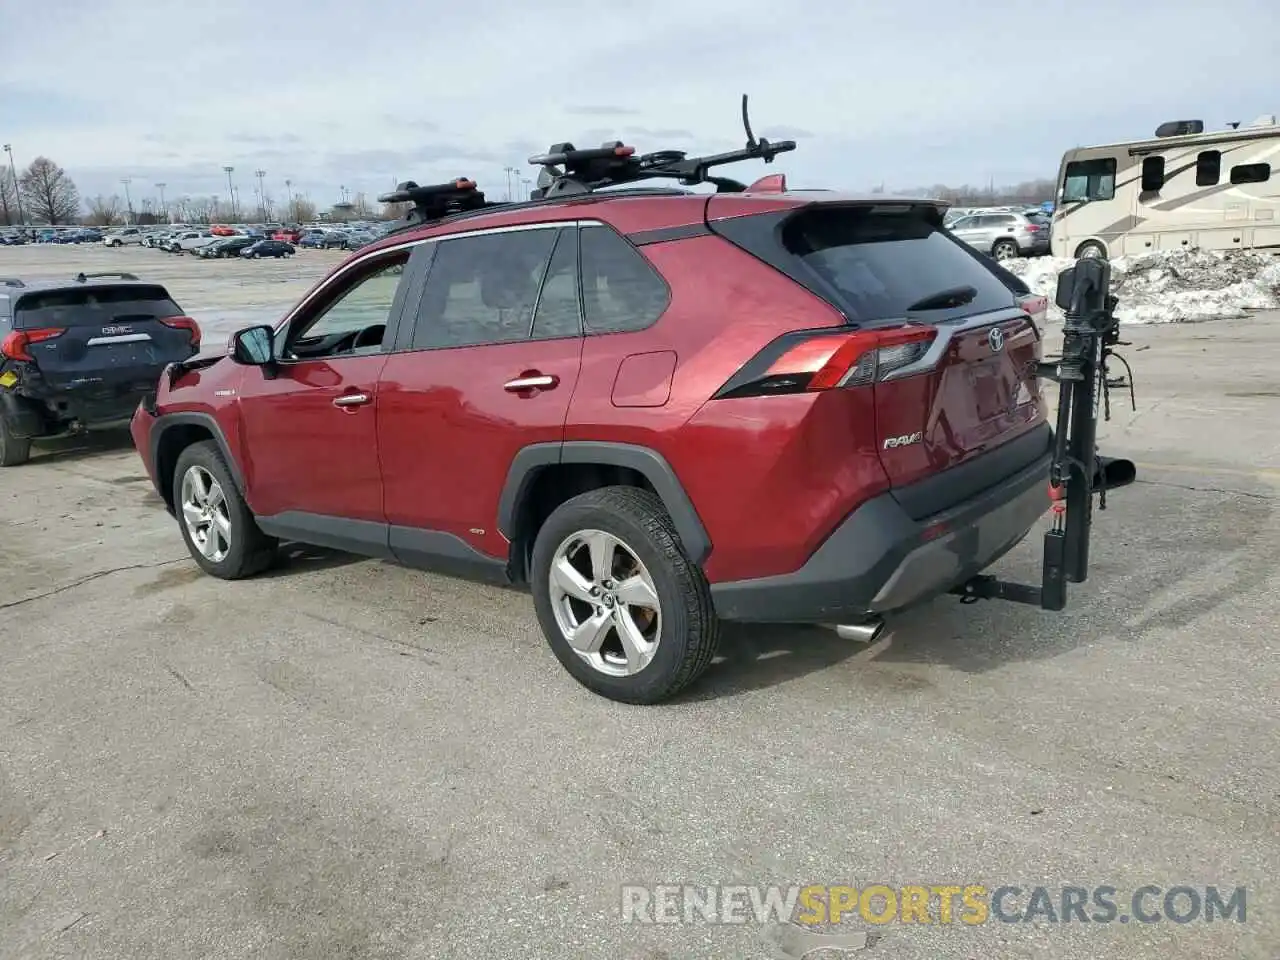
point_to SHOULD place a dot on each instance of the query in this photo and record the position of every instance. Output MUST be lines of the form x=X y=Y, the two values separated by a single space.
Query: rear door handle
x=534 y=381
x=351 y=400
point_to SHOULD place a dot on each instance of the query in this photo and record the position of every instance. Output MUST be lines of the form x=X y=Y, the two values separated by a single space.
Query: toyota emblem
x=995 y=339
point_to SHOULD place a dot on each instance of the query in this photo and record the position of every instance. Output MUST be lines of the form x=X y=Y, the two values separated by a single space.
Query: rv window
x=1209 y=168
x=1251 y=173
x=1089 y=180
x=1152 y=174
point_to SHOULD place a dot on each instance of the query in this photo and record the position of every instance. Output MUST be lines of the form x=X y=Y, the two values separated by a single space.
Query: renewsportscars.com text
x=943 y=904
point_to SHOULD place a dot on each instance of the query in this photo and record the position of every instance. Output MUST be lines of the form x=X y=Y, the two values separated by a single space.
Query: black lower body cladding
x=887 y=555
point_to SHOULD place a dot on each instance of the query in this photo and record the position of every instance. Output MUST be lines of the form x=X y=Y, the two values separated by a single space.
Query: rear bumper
x=40 y=410
x=880 y=560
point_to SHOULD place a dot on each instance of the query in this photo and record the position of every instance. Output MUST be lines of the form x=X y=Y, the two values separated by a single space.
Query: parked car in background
x=223 y=247
x=1003 y=235
x=82 y=352
x=189 y=240
x=267 y=248
x=288 y=234
x=123 y=237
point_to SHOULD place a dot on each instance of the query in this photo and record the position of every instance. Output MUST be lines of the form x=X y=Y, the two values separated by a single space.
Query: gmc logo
x=903 y=441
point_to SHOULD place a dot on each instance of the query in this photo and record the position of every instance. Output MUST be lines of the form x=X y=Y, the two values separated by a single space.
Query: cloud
x=327 y=95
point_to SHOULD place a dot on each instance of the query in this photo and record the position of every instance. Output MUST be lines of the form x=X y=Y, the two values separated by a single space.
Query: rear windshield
x=882 y=260
x=92 y=305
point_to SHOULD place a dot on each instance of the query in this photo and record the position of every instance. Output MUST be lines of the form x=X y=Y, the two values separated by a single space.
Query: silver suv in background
x=1004 y=235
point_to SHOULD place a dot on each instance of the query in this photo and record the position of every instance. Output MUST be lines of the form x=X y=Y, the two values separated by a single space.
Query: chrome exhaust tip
x=865 y=632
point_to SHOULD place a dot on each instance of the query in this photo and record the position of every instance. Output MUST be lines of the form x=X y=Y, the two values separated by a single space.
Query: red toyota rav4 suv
x=655 y=408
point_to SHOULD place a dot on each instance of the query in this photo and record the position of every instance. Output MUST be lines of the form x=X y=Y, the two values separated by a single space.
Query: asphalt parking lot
x=346 y=759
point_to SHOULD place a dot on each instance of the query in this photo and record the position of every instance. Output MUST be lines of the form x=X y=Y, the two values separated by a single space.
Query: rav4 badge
x=903 y=441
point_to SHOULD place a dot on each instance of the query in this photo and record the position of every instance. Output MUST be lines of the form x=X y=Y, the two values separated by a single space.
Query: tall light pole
x=262 y=194
x=288 y=189
x=512 y=174
x=17 y=194
x=231 y=190
x=128 y=203
x=164 y=211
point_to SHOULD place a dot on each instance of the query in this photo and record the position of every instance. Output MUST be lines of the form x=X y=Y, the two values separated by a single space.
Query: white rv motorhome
x=1183 y=189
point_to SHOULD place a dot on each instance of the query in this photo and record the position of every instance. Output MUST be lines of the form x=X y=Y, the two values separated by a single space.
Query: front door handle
x=533 y=381
x=352 y=400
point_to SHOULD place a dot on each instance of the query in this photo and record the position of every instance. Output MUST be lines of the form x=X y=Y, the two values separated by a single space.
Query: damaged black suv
x=81 y=353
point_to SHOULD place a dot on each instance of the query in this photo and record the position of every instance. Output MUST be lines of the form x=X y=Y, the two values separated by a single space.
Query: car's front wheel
x=625 y=611
x=216 y=523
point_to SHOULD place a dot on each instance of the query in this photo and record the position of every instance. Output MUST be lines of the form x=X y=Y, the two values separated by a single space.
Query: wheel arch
x=174 y=432
x=516 y=507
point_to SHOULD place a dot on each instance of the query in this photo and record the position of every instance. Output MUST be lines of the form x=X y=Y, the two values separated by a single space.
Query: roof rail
x=82 y=277
x=438 y=200
x=11 y=282
x=567 y=170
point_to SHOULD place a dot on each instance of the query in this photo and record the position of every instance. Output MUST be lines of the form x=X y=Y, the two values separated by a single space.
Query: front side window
x=1089 y=180
x=356 y=320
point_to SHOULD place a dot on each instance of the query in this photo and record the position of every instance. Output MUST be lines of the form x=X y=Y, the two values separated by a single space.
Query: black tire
x=249 y=550
x=1008 y=248
x=689 y=628
x=14 y=451
x=1091 y=248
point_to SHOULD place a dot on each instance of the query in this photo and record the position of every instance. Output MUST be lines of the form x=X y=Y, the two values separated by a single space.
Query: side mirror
x=253 y=346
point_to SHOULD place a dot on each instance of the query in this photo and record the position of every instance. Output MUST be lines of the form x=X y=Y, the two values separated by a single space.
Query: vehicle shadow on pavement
x=756 y=656
x=295 y=558
x=82 y=446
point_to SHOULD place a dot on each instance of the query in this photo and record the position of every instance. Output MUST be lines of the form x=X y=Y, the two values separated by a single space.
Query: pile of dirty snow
x=1173 y=286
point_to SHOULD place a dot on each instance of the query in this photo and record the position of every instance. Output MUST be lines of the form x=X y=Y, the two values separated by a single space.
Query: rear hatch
x=955 y=346
x=103 y=335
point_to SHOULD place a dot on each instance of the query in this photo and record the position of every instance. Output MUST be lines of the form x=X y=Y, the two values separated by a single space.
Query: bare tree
x=268 y=208
x=103 y=211
x=395 y=211
x=49 y=194
x=301 y=210
x=8 y=198
x=202 y=210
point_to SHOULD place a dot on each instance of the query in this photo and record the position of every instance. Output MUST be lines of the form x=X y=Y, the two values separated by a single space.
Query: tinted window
x=1251 y=173
x=1089 y=180
x=363 y=305
x=559 y=311
x=483 y=289
x=880 y=261
x=620 y=290
x=94 y=305
x=1152 y=174
x=1208 y=168
x=963 y=223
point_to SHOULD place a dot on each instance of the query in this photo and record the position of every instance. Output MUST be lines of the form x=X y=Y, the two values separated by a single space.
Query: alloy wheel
x=605 y=603
x=205 y=514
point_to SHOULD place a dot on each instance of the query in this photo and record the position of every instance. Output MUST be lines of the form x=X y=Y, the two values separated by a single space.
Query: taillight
x=14 y=346
x=184 y=323
x=814 y=360
x=1033 y=228
x=1037 y=308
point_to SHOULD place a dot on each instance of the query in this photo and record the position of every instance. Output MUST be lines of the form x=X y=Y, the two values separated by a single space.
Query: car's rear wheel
x=216 y=523
x=13 y=450
x=625 y=611
x=1004 y=250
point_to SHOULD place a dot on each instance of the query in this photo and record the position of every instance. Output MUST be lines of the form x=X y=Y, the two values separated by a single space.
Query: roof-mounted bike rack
x=439 y=200
x=567 y=171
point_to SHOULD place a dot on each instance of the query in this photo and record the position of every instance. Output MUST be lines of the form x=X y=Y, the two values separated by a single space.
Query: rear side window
x=1208 y=168
x=94 y=305
x=1251 y=173
x=880 y=261
x=1152 y=174
x=483 y=289
x=621 y=292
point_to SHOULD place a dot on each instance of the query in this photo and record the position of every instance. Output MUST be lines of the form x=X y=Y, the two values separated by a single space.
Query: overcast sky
x=332 y=93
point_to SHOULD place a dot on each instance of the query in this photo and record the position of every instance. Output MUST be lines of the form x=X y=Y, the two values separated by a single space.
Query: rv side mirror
x=252 y=346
